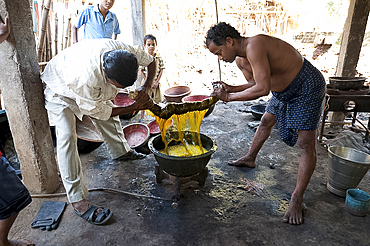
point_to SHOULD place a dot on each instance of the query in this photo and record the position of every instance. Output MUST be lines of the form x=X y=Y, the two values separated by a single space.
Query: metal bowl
x=136 y=134
x=88 y=137
x=176 y=93
x=182 y=166
x=258 y=110
x=154 y=128
x=199 y=98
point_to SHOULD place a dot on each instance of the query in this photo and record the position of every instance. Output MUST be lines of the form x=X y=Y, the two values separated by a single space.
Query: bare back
x=270 y=61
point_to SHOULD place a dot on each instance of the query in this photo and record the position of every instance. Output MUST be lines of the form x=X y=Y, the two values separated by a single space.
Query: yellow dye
x=182 y=150
x=188 y=122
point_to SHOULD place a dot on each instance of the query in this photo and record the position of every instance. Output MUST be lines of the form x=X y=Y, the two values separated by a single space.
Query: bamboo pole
x=56 y=34
x=67 y=32
x=45 y=14
x=61 y=43
x=49 y=50
x=47 y=44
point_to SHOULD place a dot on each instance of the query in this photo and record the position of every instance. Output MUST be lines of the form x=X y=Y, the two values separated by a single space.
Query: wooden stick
x=45 y=14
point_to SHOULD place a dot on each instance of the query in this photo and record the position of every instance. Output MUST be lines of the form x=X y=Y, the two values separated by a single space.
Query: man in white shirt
x=83 y=80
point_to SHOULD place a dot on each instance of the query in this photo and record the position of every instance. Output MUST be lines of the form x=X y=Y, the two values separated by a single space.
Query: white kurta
x=76 y=86
x=75 y=77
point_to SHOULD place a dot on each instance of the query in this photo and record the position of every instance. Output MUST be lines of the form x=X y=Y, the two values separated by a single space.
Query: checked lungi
x=300 y=105
x=14 y=196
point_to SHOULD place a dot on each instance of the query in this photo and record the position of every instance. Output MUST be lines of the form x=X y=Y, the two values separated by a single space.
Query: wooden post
x=22 y=92
x=138 y=25
x=353 y=36
x=350 y=47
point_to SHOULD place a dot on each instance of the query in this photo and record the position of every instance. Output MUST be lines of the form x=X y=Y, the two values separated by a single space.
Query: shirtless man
x=298 y=88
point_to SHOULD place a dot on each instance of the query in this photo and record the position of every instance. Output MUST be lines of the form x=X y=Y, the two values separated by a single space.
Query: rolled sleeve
x=117 y=30
x=143 y=58
x=81 y=18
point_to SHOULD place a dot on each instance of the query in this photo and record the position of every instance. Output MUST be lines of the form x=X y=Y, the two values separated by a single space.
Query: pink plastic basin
x=123 y=100
x=136 y=134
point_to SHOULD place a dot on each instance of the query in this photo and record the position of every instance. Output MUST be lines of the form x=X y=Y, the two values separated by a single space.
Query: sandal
x=101 y=218
x=132 y=155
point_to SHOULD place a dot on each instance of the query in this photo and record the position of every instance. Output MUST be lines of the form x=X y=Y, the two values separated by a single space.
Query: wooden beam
x=353 y=36
x=138 y=21
x=24 y=101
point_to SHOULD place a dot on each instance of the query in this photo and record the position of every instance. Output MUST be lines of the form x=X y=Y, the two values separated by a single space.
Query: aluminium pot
x=347 y=83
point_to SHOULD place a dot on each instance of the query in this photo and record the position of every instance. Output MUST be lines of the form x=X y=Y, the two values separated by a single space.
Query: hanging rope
x=218 y=60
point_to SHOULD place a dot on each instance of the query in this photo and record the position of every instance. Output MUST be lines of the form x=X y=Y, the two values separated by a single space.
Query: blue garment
x=95 y=27
x=14 y=196
x=300 y=105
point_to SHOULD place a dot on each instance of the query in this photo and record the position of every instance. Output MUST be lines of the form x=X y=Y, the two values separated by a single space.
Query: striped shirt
x=160 y=65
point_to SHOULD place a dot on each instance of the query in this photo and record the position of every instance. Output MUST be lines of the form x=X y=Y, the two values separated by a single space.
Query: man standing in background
x=99 y=22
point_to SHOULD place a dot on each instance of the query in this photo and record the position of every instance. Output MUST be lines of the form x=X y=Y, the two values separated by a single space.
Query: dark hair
x=121 y=66
x=219 y=32
x=150 y=36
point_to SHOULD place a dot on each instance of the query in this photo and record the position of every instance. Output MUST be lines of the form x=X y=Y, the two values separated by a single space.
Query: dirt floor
x=219 y=213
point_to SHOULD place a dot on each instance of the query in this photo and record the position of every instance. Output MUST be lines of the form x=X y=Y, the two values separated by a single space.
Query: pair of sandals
x=105 y=213
x=100 y=219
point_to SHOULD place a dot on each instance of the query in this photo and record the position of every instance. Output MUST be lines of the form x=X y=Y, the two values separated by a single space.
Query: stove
x=352 y=100
x=200 y=178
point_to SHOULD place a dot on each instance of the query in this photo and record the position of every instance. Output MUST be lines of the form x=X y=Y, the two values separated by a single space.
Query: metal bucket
x=347 y=168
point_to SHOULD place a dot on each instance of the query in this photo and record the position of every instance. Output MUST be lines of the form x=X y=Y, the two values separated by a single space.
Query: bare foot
x=83 y=205
x=245 y=161
x=294 y=215
x=22 y=242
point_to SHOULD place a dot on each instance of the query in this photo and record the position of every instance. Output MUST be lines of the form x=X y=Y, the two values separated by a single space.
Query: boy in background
x=150 y=45
x=99 y=22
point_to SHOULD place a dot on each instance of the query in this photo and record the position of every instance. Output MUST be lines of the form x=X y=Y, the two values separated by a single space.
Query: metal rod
x=218 y=60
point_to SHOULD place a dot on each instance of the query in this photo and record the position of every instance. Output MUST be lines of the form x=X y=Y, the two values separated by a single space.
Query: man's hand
x=143 y=100
x=221 y=84
x=4 y=29
x=155 y=84
x=219 y=91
